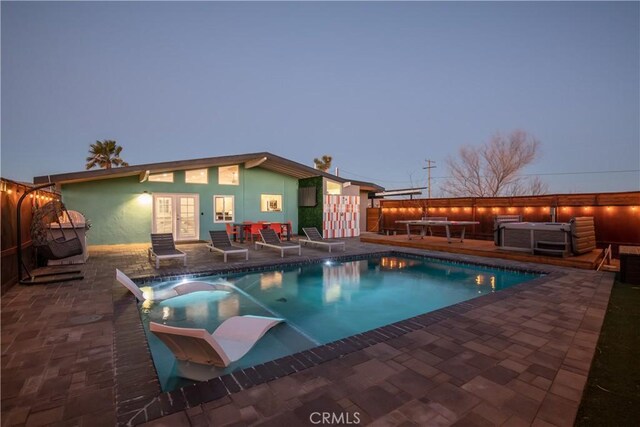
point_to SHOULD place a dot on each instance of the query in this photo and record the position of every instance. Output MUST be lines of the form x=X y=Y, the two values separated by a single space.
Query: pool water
x=320 y=302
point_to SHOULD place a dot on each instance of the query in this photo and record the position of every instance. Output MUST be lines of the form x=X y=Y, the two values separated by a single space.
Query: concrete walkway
x=518 y=358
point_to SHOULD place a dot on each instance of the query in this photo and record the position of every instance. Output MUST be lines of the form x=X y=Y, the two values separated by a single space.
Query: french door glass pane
x=187 y=221
x=164 y=215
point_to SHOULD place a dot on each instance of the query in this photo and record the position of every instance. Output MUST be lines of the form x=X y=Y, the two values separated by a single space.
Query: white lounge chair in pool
x=181 y=289
x=270 y=239
x=314 y=237
x=220 y=242
x=227 y=344
x=163 y=247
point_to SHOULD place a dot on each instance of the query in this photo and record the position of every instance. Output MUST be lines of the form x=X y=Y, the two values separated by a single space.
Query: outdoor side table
x=630 y=264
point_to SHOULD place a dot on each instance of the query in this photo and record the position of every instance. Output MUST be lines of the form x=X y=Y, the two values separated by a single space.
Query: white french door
x=177 y=214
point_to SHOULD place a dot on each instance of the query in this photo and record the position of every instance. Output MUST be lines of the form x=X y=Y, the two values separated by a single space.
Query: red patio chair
x=233 y=231
x=275 y=226
x=254 y=229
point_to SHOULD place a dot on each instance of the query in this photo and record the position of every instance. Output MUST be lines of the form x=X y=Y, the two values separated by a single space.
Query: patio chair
x=270 y=239
x=176 y=291
x=227 y=344
x=233 y=230
x=277 y=227
x=254 y=229
x=163 y=247
x=314 y=237
x=220 y=242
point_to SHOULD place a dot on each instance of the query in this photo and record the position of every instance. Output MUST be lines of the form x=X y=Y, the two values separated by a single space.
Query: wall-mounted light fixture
x=145 y=198
x=3 y=186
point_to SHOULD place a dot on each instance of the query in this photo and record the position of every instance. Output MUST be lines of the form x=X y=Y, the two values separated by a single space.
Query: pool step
x=558 y=249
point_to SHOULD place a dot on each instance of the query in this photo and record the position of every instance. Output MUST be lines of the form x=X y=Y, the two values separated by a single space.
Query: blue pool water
x=320 y=302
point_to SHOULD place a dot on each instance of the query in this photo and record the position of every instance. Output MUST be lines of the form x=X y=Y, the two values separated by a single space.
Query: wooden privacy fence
x=10 y=192
x=616 y=215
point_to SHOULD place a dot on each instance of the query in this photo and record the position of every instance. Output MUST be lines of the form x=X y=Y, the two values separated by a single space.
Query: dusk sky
x=379 y=86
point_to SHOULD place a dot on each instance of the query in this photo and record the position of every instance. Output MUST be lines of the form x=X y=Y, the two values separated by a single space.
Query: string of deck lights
x=496 y=209
x=6 y=187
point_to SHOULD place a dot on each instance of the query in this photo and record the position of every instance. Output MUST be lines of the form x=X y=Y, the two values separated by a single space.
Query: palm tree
x=105 y=154
x=324 y=163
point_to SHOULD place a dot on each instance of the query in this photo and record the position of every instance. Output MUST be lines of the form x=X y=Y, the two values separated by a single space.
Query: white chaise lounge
x=181 y=289
x=163 y=247
x=270 y=239
x=314 y=237
x=220 y=242
x=227 y=344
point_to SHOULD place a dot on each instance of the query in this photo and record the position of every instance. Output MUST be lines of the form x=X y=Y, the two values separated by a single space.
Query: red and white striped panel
x=341 y=216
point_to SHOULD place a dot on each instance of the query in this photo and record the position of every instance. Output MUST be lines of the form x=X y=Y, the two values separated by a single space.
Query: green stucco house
x=190 y=197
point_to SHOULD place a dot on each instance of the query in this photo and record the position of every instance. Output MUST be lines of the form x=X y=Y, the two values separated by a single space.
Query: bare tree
x=493 y=169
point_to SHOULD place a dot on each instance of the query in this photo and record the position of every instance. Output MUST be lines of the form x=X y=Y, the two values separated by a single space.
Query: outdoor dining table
x=242 y=225
x=424 y=224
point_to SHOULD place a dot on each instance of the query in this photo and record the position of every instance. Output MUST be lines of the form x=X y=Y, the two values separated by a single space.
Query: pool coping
x=138 y=394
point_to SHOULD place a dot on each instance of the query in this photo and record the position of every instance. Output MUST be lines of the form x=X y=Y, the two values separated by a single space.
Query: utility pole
x=430 y=165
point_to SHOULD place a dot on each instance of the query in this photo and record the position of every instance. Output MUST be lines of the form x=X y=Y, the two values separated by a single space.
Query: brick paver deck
x=516 y=358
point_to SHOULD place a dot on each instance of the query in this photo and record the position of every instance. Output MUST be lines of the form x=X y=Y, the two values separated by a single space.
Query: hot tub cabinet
x=549 y=238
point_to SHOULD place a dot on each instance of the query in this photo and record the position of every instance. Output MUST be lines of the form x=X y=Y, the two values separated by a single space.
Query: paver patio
x=517 y=357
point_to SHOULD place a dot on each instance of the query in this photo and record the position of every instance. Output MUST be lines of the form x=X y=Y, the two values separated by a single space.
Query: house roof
x=263 y=160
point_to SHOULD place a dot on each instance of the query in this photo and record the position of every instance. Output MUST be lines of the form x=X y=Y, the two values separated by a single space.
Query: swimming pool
x=321 y=303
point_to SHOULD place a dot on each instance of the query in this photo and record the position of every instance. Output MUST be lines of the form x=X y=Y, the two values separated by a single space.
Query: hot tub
x=523 y=236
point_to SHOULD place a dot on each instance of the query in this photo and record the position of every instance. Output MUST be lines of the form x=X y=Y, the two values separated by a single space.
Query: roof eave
x=264 y=160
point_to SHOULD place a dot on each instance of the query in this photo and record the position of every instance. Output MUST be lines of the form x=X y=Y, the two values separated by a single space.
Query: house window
x=223 y=209
x=229 y=175
x=161 y=177
x=197 y=176
x=271 y=203
x=334 y=188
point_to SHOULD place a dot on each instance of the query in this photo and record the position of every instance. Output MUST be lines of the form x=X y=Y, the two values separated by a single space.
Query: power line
x=524 y=174
x=374 y=179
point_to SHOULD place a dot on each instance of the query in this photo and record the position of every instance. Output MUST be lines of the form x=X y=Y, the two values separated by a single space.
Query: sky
x=379 y=86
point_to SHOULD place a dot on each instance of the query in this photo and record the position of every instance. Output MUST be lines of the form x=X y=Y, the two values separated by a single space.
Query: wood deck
x=483 y=248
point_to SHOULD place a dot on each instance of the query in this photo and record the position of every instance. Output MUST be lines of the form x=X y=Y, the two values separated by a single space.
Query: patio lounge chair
x=228 y=343
x=220 y=242
x=270 y=239
x=314 y=237
x=163 y=247
x=176 y=291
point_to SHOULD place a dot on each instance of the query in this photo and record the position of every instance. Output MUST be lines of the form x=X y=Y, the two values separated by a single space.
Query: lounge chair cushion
x=163 y=242
x=228 y=343
x=271 y=238
x=181 y=289
x=220 y=239
x=314 y=235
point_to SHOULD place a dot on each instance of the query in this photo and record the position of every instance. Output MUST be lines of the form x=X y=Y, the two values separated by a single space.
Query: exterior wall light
x=145 y=198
